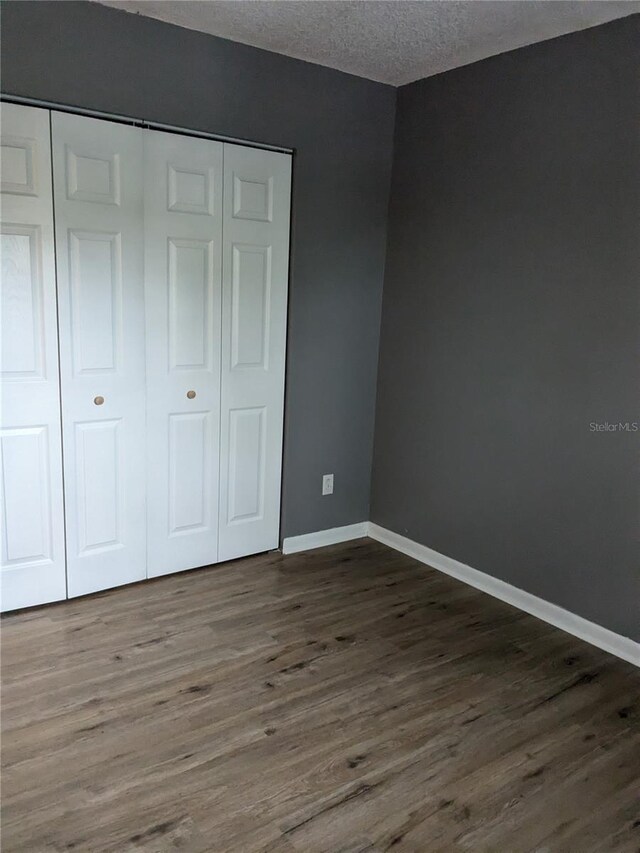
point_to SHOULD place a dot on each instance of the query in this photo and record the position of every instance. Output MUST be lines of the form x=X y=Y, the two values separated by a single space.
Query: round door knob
x=191 y=394
x=98 y=400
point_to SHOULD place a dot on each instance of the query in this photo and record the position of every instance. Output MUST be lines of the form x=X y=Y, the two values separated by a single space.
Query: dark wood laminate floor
x=343 y=700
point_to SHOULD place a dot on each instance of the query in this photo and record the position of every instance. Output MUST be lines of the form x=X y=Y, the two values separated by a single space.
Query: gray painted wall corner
x=510 y=321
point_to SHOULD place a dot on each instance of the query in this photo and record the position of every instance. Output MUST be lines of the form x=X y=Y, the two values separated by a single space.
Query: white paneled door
x=257 y=189
x=183 y=269
x=98 y=191
x=33 y=558
x=143 y=319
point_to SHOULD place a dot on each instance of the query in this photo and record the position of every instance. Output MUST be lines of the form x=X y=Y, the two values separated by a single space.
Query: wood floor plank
x=345 y=700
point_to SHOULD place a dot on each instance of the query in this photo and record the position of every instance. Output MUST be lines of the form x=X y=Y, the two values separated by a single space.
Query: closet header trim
x=139 y=122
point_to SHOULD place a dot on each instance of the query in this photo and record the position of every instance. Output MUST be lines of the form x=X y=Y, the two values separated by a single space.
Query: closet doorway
x=144 y=303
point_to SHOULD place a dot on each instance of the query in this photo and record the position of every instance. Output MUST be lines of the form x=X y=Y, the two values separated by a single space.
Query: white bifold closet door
x=98 y=191
x=142 y=396
x=183 y=270
x=257 y=189
x=33 y=559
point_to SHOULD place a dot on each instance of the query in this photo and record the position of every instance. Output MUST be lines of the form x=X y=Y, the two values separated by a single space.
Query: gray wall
x=510 y=321
x=342 y=129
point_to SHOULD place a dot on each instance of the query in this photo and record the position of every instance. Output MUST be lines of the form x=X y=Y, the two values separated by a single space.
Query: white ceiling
x=393 y=41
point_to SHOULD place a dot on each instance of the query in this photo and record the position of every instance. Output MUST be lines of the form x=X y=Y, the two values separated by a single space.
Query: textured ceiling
x=393 y=41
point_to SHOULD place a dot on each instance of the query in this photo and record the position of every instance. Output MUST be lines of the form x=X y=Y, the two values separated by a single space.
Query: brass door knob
x=191 y=394
x=98 y=400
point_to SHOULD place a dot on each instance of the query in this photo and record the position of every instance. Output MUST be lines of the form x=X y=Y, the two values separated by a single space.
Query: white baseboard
x=325 y=537
x=590 y=632
x=622 y=647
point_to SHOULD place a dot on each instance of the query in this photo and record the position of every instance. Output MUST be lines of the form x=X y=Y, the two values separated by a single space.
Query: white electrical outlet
x=327 y=484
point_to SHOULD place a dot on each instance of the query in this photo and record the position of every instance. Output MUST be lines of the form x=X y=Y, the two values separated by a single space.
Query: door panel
x=33 y=552
x=255 y=278
x=99 y=233
x=96 y=300
x=190 y=491
x=251 y=303
x=183 y=267
x=189 y=277
x=22 y=303
x=25 y=466
x=247 y=432
x=98 y=467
